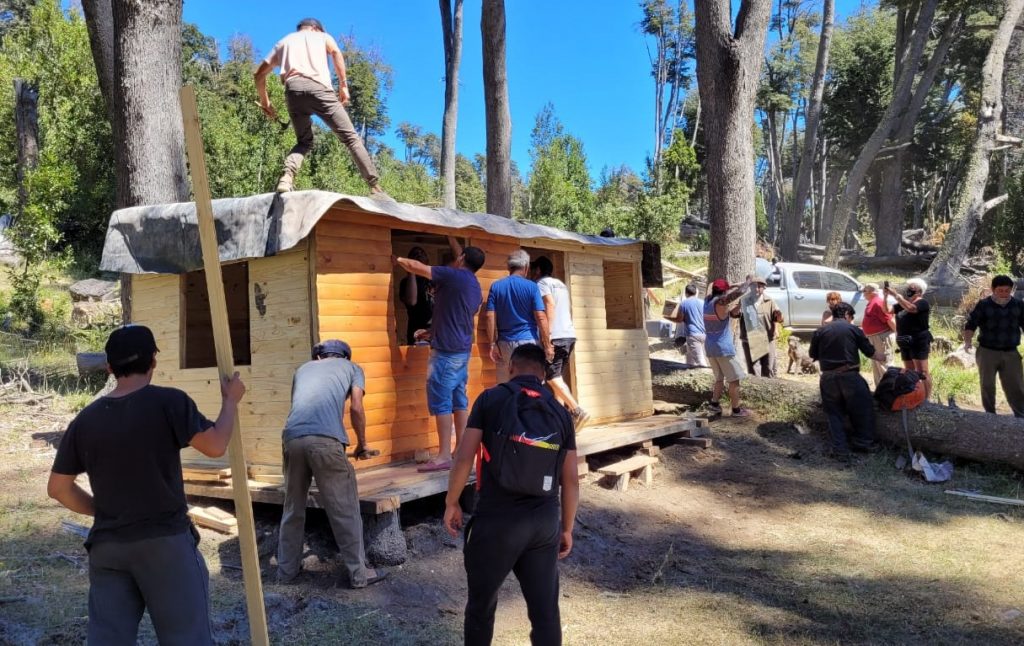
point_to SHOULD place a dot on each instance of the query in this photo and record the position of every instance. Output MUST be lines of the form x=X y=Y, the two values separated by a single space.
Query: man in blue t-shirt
x=457 y=298
x=690 y=316
x=516 y=314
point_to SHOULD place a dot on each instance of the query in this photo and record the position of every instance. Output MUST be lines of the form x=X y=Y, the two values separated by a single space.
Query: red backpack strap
x=481 y=456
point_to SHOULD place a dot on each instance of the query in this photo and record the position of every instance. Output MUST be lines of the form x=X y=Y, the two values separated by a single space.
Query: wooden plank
x=219 y=317
x=701 y=442
x=352 y=278
x=599 y=438
x=628 y=465
x=330 y=226
x=983 y=498
x=214 y=518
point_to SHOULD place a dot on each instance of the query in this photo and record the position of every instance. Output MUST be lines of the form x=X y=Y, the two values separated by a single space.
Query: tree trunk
x=937 y=429
x=145 y=64
x=793 y=223
x=893 y=203
x=1013 y=91
x=901 y=96
x=451 y=32
x=26 y=125
x=971 y=204
x=728 y=71
x=499 y=123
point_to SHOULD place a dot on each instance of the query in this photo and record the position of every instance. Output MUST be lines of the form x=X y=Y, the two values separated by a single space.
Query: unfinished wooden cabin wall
x=355 y=301
x=613 y=370
x=280 y=331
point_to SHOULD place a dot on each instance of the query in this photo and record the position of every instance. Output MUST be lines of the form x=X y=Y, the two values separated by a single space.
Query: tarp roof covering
x=164 y=238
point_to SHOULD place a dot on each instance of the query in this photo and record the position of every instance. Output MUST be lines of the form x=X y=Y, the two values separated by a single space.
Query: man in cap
x=142 y=547
x=759 y=344
x=719 y=345
x=315 y=440
x=302 y=57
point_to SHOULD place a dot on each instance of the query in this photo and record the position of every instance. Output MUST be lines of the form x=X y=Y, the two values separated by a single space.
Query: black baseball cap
x=332 y=346
x=130 y=343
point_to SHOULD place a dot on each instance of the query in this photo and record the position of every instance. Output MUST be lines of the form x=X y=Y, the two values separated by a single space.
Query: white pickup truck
x=799 y=290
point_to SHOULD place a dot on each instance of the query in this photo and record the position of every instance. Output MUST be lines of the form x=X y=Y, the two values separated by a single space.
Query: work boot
x=286 y=183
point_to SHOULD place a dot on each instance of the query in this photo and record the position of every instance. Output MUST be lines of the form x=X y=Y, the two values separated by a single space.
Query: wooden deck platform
x=385 y=488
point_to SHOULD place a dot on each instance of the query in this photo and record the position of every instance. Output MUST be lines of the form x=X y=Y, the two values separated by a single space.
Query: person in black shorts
x=913 y=334
x=512 y=532
x=142 y=547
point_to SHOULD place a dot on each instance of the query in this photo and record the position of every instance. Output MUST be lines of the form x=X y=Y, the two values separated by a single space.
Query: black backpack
x=525 y=455
x=894 y=384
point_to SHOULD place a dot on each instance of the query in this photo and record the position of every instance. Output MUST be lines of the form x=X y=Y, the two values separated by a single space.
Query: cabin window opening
x=622 y=296
x=413 y=295
x=197 y=348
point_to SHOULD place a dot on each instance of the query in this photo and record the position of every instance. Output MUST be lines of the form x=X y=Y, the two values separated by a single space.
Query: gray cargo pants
x=165 y=575
x=1006 y=364
x=322 y=458
x=305 y=97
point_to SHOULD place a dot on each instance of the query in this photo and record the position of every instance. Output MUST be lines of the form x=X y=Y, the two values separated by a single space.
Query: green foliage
x=1009 y=224
x=470 y=194
x=559 y=187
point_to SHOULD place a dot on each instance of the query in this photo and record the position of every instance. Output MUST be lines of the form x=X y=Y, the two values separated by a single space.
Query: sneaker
x=580 y=418
x=285 y=184
x=742 y=412
x=715 y=406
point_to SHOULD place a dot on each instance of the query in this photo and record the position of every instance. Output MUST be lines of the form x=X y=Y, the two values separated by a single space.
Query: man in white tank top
x=302 y=57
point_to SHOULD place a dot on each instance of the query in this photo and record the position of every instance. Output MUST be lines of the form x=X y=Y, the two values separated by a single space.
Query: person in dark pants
x=913 y=329
x=844 y=391
x=415 y=293
x=315 y=440
x=509 y=532
x=999 y=319
x=142 y=547
x=302 y=57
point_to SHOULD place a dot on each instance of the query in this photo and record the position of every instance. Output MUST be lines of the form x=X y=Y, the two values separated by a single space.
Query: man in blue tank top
x=719 y=344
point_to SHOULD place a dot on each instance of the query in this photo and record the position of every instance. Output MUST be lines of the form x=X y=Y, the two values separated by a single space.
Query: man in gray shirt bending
x=314 y=447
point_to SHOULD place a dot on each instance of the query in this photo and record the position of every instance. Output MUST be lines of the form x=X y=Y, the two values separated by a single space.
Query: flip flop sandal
x=366 y=454
x=429 y=467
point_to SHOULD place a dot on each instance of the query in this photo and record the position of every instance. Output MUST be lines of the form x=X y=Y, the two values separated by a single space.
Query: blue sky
x=587 y=57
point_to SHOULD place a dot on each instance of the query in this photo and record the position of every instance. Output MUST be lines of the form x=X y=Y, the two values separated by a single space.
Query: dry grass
x=758 y=540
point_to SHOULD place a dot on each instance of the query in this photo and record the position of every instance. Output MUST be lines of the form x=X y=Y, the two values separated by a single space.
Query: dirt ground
x=759 y=539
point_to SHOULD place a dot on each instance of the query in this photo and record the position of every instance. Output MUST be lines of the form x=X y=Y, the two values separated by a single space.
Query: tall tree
x=499 y=121
x=143 y=75
x=451 y=33
x=893 y=193
x=728 y=71
x=672 y=31
x=900 y=98
x=801 y=186
x=971 y=205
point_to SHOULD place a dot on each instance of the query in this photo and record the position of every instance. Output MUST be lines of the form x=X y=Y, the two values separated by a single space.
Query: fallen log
x=911 y=263
x=991 y=439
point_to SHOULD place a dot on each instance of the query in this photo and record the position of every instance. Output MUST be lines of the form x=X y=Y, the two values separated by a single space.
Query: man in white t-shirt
x=302 y=57
x=563 y=334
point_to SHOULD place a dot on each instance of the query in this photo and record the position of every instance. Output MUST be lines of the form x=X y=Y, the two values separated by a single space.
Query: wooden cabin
x=313 y=265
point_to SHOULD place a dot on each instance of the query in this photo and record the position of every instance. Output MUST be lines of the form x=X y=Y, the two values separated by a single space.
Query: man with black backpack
x=525 y=449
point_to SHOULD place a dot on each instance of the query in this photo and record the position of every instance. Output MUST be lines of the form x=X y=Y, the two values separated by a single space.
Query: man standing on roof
x=315 y=441
x=302 y=57
x=457 y=298
x=759 y=345
x=515 y=314
x=558 y=309
x=719 y=344
x=142 y=547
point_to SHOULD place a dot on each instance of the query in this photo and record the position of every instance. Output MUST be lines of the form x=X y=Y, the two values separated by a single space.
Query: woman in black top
x=913 y=335
x=414 y=292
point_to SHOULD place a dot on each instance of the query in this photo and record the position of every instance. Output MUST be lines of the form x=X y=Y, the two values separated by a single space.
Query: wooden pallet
x=624 y=470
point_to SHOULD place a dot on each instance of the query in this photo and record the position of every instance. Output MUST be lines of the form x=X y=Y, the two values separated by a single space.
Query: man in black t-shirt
x=414 y=291
x=142 y=545
x=837 y=347
x=510 y=532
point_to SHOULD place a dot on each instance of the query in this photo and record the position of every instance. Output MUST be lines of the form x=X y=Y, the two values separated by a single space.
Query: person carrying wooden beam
x=315 y=441
x=302 y=57
x=142 y=547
